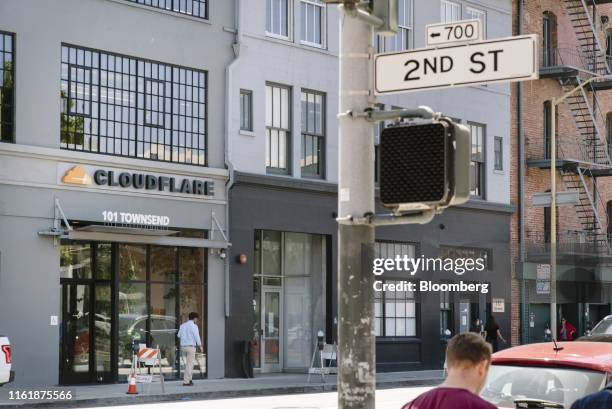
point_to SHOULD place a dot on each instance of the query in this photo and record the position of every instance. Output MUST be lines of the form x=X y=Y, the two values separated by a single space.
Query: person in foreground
x=597 y=400
x=468 y=357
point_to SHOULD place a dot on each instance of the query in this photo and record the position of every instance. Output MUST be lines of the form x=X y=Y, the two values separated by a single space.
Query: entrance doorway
x=539 y=321
x=114 y=293
x=289 y=299
x=271 y=324
x=86 y=309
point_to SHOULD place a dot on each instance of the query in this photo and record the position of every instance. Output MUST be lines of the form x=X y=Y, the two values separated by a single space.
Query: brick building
x=575 y=41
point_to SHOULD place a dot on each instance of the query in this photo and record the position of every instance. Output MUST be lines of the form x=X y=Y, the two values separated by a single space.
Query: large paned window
x=312 y=21
x=404 y=38
x=195 y=8
x=449 y=11
x=158 y=288
x=277 y=18
x=118 y=105
x=313 y=133
x=477 y=167
x=278 y=128
x=395 y=313
x=7 y=87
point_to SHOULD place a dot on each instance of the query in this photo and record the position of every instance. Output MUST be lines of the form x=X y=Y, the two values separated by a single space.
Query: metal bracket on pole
x=422 y=217
x=372 y=115
x=354 y=11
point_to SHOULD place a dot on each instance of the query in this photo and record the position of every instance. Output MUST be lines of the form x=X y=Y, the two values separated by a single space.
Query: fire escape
x=585 y=156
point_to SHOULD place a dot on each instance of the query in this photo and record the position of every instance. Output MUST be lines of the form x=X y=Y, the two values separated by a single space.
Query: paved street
x=385 y=399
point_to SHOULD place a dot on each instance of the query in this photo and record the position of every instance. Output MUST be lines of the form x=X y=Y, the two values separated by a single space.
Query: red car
x=548 y=374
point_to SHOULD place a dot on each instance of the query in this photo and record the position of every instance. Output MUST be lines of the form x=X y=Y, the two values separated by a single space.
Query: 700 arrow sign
x=453 y=33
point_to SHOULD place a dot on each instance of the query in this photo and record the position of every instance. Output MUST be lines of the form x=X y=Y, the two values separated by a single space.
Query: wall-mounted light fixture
x=241 y=259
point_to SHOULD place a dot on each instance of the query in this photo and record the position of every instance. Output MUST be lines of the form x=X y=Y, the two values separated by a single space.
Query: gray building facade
x=283 y=196
x=112 y=184
x=124 y=146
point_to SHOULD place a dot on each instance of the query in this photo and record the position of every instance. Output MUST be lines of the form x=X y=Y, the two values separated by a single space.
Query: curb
x=177 y=397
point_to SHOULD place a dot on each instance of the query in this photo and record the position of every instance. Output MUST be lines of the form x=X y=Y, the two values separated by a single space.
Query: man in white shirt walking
x=190 y=339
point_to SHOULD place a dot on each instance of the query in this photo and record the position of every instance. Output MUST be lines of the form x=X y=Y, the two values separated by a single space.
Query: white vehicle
x=6 y=375
x=604 y=327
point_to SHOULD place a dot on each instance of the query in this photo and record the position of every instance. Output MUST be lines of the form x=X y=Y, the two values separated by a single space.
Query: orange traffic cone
x=132 y=390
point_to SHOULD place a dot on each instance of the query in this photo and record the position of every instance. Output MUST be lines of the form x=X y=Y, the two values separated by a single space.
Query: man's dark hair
x=193 y=315
x=467 y=347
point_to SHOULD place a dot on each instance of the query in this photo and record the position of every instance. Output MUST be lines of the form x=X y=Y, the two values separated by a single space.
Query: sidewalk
x=262 y=385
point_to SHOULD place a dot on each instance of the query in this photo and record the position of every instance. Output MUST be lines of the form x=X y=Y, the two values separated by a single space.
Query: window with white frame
x=403 y=40
x=278 y=128
x=475 y=14
x=395 y=313
x=312 y=21
x=277 y=17
x=449 y=11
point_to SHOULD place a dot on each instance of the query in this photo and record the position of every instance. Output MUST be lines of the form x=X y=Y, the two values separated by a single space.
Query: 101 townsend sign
x=136 y=181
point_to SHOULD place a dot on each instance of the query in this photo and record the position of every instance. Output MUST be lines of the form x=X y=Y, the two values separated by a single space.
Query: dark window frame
x=148 y=100
x=175 y=6
x=446 y=312
x=312 y=134
x=71 y=98
x=11 y=126
x=480 y=159
x=380 y=296
x=119 y=76
x=549 y=40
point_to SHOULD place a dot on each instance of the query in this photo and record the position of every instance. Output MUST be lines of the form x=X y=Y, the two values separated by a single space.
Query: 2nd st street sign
x=501 y=60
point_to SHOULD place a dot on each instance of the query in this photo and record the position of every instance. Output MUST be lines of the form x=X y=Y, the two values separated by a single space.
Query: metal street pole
x=553 y=221
x=356 y=339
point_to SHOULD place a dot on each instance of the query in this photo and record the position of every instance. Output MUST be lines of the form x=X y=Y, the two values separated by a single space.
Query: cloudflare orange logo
x=77 y=175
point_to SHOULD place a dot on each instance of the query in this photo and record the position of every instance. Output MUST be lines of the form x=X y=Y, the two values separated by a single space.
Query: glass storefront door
x=76 y=333
x=289 y=297
x=271 y=334
x=86 y=311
